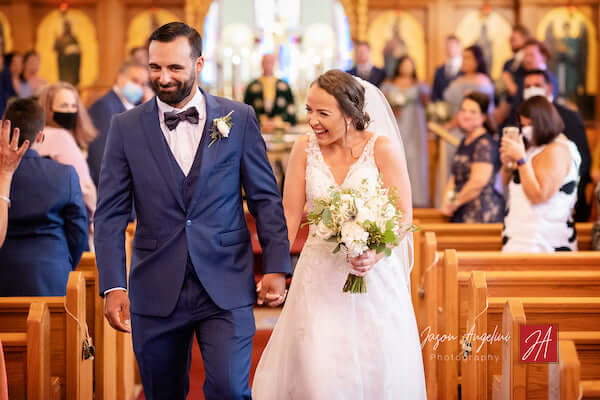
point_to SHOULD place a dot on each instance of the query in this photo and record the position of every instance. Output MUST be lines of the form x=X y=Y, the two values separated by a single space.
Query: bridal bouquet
x=438 y=112
x=358 y=220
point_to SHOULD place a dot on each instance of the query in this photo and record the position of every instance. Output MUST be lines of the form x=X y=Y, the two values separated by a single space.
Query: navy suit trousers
x=163 y=346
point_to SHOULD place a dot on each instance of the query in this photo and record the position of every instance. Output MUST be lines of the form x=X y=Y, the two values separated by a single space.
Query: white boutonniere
x=220 y=128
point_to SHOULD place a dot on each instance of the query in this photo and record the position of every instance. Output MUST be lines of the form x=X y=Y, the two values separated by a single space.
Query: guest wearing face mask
x=541 y=169
x=535 y=57
x=538 y=83
x=127 y=92
x=67 y=134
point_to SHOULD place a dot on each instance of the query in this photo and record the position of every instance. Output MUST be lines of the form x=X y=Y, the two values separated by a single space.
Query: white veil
x=383 y=122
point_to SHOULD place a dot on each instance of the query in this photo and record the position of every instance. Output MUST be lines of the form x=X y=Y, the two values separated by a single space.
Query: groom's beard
x=175 y=97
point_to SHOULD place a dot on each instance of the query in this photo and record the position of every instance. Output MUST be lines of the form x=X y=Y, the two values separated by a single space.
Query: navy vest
x=185 y=185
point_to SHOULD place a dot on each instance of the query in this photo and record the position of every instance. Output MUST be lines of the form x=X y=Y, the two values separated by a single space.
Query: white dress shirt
x=184 y=139
x=364 y=70
x=453 y=66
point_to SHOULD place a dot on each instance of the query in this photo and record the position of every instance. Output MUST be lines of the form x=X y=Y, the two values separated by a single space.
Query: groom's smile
x=173 y=70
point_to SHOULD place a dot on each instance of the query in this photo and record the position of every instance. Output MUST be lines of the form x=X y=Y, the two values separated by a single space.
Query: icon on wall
x=393 y=34
x=144 y=23
x=68 y=47
x=490 y=31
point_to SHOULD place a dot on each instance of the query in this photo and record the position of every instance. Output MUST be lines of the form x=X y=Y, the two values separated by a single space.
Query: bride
x=328 y=344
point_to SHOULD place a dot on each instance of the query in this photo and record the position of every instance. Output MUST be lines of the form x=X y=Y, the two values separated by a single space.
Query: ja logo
x=538 y=343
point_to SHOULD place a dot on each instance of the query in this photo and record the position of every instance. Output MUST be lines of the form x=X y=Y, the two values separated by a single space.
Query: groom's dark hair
x=173 y=30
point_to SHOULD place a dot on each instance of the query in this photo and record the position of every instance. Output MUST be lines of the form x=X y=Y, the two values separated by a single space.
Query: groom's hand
x=115 y=303
x=271 y=290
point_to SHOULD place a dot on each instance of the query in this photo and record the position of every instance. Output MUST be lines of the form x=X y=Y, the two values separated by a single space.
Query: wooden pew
x=487 y=237
x=485 y=315
x=517 y=377
x=115 y=366
x=567 y=274
x=426 y=309
x=28 y=357
x=67 y=363
x=3 y=379
x=429 y=216
x=104 y=336
x=565 y=377
x=471 y=237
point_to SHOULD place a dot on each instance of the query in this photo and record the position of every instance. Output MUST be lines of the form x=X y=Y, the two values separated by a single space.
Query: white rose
x=365 y=214
x=355 y=238
x=322 y=231
x=223 y=127
x=389 y=211
x=376 y=204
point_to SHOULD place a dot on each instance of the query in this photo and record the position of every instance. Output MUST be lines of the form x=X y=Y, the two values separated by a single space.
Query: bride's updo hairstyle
x=349 y=94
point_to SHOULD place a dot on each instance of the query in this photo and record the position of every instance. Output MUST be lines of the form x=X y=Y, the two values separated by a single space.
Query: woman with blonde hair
x=67 y=134
x=66 y=110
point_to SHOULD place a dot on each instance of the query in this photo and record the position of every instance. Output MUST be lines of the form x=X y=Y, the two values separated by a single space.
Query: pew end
x=28 y=356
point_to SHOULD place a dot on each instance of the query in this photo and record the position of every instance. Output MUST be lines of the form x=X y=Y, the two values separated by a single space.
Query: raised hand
x=10 y=152
x=271 y=290
x=115 y=303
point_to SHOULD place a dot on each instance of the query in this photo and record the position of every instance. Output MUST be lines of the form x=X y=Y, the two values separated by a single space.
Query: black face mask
x=66 y=120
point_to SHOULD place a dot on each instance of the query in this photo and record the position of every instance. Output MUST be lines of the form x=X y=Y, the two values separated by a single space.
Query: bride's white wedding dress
x=333 y=345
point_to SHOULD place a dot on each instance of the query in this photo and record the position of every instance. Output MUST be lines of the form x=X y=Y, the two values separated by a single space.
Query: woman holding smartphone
x=541 y=169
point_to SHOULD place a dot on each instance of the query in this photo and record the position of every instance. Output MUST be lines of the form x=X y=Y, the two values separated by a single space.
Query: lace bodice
x=319 y=178
x=328 y=344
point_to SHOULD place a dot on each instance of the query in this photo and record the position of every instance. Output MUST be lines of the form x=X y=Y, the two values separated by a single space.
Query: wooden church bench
x=565 y=379
x=66 y=338
x=27 y=361
x=104 y=336
x=521 y=379
x=485 y=314
x=446 y=293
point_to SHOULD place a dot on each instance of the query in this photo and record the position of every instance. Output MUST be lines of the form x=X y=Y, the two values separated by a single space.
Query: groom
x=192 y=265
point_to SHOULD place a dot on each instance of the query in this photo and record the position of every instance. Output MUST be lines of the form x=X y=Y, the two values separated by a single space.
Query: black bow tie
x=172 y=119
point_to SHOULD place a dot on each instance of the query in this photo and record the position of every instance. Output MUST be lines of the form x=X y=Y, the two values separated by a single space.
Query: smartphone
x=511 y=132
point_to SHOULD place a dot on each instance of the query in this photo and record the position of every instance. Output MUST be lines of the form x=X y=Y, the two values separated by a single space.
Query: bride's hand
x=363 y=263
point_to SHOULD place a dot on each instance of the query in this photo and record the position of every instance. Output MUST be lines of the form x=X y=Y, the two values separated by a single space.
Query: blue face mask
x=132 y=92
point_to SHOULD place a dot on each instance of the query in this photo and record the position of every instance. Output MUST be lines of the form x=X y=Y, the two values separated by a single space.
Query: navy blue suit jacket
x=209 y=228
x=101 y=113
x=47 y=229
x=441 y=82
x=376 y=77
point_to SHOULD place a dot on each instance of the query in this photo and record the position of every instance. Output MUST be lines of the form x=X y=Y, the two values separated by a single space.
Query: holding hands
x=271 y=290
